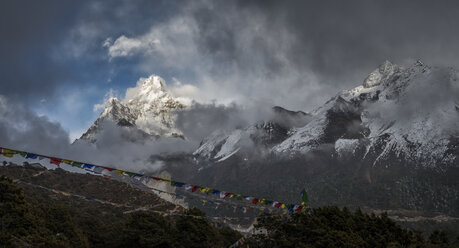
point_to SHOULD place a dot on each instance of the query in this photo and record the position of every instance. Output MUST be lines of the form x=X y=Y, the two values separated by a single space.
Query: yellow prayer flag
x=204 y=190
x=8 y=153
x=283 y=205
x=67 y=161
x=119 y=172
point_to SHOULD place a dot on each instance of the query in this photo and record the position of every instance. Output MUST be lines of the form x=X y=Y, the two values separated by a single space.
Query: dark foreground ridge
x=32 y=217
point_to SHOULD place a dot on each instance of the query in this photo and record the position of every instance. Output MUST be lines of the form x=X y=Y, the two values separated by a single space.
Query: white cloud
x=170 y=43
x=185 y=93
x=123 y=47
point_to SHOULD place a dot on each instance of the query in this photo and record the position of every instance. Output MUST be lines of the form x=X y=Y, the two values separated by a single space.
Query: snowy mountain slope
x=410 y=113
x=147 y=108
x=221 y=145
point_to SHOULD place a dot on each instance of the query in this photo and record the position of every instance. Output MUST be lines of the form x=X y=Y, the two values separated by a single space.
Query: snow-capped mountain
x=411 y=113
x=147 y=108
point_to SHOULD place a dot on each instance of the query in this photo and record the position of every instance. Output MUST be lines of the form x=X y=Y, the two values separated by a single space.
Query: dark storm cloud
x=340 y=41
x=28 y=30
x=22 y=129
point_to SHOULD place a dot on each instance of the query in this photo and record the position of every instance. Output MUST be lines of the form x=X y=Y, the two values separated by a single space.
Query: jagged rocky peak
x=147 y=107
x=150 y=95
x=383 y=72
x=153 y=82
x=115 y=110
x=147 y=89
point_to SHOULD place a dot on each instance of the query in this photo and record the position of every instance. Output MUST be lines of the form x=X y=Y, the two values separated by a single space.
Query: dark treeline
x=334 y=227
x=28 y=222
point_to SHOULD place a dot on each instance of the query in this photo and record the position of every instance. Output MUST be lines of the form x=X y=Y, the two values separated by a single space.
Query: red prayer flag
x=228 y=194
x=155 y=178
x=255 y=200
x=278 y=204
x=299 y=209
x=109 y=169
x=55 y=161
x=194 y=188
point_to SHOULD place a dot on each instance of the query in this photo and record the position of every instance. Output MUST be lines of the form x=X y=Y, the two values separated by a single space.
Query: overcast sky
x=60 y=58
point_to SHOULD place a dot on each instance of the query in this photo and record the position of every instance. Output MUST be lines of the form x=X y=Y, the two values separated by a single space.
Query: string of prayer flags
x=204 y=190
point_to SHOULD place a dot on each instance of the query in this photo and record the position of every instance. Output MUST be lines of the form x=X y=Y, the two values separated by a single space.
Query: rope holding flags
x=193 y=188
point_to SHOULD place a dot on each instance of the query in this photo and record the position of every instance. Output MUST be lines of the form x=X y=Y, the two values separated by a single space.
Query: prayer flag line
x=194 y=188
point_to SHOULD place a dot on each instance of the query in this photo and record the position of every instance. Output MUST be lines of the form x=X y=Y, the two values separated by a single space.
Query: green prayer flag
x=22 y=153
x=77 y=164
x=304 y=196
